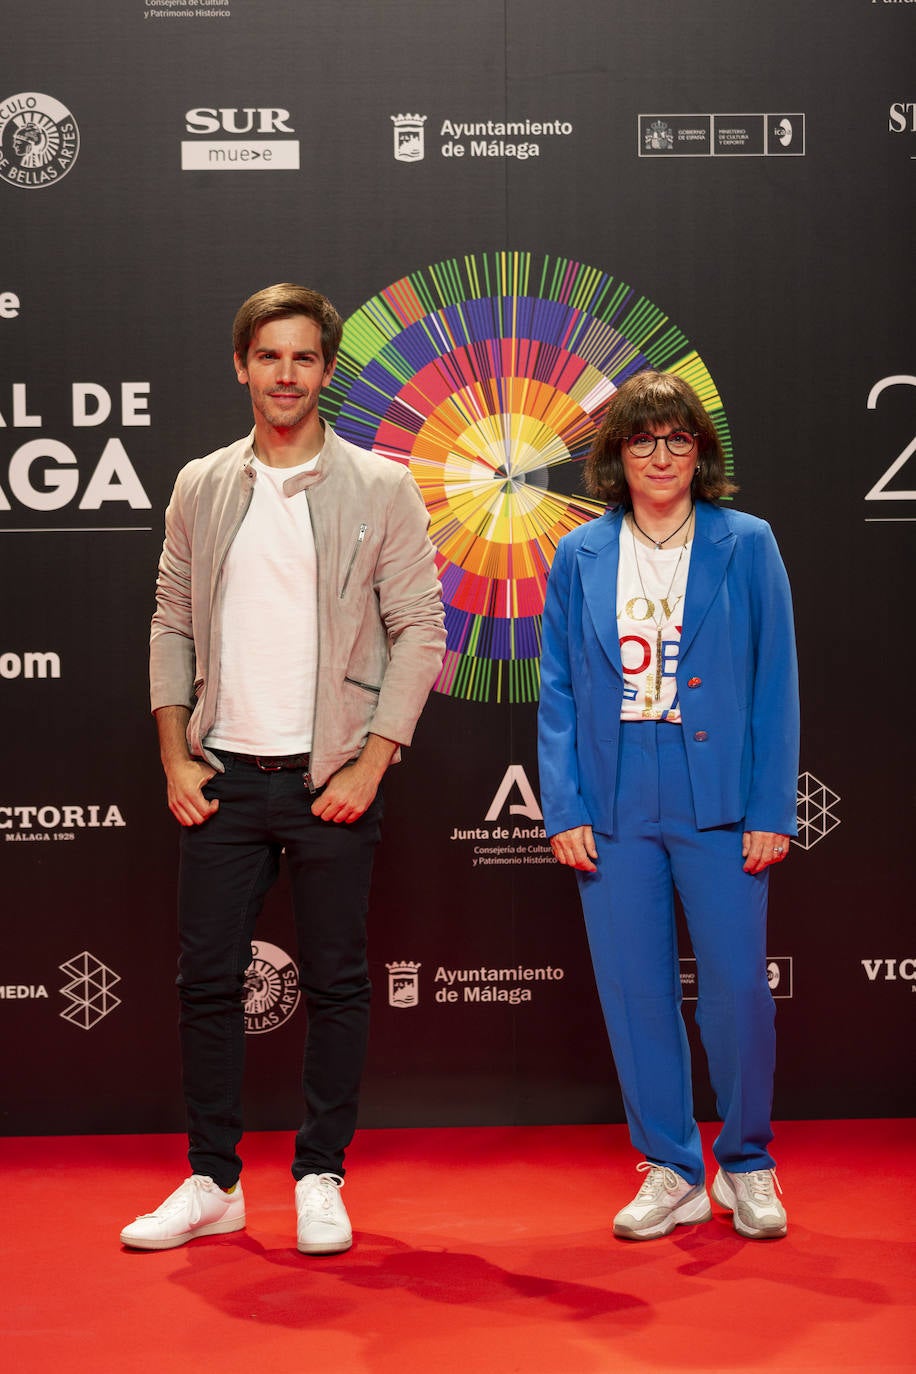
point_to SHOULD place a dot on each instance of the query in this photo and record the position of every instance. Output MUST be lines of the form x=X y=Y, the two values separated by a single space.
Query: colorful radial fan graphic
x=488 y=377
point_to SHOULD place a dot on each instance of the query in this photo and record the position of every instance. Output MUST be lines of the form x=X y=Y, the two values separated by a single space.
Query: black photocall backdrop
x=722 y=188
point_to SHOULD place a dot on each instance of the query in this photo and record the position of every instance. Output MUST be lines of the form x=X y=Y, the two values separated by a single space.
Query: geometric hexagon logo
x=89 y=991
x=815 y=811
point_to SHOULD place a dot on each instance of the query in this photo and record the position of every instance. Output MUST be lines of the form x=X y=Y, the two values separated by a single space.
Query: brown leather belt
x=276 y=764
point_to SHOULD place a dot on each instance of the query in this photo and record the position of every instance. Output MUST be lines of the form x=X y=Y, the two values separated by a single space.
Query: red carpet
x=481 y=1251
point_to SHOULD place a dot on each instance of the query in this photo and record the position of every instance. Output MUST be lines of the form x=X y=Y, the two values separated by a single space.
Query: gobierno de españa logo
x=39 y=140
x=488 y=376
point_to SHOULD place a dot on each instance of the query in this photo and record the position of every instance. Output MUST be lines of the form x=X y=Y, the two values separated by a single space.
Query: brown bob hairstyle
x=654 y=398
x=279 y=303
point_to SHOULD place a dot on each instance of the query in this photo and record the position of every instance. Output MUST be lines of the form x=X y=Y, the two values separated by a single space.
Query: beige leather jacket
x=381 y=636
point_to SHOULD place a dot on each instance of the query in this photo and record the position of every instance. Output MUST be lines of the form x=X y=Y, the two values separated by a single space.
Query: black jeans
x=228 y=864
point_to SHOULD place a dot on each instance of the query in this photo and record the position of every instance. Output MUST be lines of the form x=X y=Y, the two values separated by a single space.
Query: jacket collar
x=713 y=545
x=302 y=480
x=598 y=557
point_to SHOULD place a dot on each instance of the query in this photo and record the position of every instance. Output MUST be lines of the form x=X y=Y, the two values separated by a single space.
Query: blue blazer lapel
x=713 y=546
x=597 y=559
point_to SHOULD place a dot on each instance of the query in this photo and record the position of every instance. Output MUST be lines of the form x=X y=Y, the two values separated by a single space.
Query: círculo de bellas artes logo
x=39 y=140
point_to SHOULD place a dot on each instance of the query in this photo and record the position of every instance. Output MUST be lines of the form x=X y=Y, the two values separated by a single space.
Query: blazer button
x=695 y=682
x=701 y=735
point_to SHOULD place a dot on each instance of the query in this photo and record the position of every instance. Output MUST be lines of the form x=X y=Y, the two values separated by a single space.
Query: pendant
x=658 y=665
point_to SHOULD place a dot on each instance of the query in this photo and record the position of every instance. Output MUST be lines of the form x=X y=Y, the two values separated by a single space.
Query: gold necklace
x=658 y=622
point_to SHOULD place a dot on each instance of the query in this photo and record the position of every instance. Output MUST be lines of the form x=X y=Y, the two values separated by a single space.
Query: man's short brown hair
x=279 y=303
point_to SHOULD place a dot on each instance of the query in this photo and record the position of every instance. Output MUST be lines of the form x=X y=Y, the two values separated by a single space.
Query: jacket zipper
x=366 y=686
x=356 y=548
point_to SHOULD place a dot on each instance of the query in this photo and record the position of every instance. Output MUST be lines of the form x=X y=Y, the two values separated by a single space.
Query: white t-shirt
x=643 y=608
x=269 y=624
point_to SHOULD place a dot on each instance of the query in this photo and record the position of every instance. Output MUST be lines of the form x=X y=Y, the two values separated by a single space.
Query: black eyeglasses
x=678 y=443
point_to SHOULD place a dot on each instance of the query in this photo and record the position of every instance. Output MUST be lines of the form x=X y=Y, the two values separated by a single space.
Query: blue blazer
x=737 y=677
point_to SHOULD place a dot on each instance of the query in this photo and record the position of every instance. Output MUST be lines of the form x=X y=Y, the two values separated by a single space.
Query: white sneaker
x=664 y=1201
x=322 y=1224
x=756 y=1211
x=197 y=1208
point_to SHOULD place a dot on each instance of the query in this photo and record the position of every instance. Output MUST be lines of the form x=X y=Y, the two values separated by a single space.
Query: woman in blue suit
x=668 y=744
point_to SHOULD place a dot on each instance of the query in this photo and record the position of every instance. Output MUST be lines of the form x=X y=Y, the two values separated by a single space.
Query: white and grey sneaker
x=197 y=1208
x=322 y=1224
x=664 y=1201
x=751 y=1198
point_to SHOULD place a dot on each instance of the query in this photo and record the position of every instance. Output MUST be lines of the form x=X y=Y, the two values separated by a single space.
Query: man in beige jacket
x=297 y=633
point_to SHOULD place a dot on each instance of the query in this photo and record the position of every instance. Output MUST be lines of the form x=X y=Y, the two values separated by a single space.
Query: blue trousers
x=228 y=865
x=629 y=915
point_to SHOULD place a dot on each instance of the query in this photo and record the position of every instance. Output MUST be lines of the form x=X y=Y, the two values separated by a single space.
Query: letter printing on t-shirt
x=640 y=608
x=269 y=624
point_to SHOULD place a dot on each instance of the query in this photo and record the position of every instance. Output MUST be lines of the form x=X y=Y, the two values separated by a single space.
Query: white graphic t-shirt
x=649 y=618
